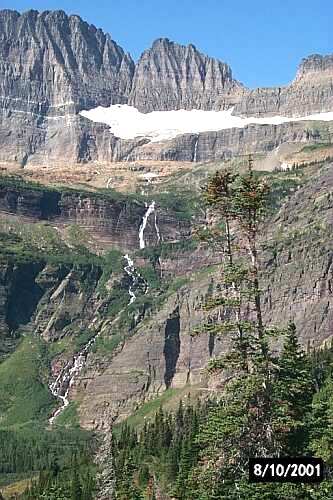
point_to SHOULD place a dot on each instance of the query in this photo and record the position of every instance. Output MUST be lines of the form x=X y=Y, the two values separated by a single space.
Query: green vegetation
x=282 y=185
x=46 y=459
x=148 y=410
x=150 y=275
x=314 y=147
x=184 y=204
x=107 y=345
x=23 y=394
x=274 y=404
x=19 y=183
x=82 y=339
x=168 y=250
x=41 y=243
x=178 y=450
x=165 y=447
x=69 y=417
x=117 y=299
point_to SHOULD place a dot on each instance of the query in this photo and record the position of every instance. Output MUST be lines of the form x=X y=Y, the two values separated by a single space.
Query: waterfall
x=195 y=154
x=61 y=386
x=131 y=272
x=157 y=229
x=66 y=377
x=149 y=211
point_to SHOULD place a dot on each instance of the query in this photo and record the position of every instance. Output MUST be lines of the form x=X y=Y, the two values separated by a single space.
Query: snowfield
x=127 y=122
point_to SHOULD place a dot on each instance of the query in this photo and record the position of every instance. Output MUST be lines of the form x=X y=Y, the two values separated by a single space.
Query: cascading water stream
x=157 y=229
x=195 y=154
x=64 y=381
x=61 y=386
x=149 y=211
x=131 y=272
x=129 y=269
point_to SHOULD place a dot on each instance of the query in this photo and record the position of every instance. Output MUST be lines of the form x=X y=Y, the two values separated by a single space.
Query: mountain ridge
x=52 y=66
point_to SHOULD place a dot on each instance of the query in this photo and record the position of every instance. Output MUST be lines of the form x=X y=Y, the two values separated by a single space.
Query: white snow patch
x=286 y=166
x=149 y=176
x=127 y=122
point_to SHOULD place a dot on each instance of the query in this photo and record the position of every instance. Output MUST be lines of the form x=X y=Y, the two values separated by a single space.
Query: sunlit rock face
x=51 y=66
x=54 y=66
x=170 y=76
x=53 y=63
x=310 y=92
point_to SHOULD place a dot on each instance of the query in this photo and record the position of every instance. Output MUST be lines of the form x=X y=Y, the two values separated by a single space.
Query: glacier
x=126 y=122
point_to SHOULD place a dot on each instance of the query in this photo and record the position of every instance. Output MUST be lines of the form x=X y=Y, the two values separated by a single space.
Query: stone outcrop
x=58 y=299
x=161 y=354
x=98 y=144
x=224 y=144
x=19 y=296
x=112 y=221
x=298 y=263
x=309 y=93
x=297 y=283
x=171 y=76
x=52 y=63
x=52 y=66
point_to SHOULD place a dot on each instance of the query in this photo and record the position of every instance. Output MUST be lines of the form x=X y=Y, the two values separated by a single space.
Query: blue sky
x=263 y=41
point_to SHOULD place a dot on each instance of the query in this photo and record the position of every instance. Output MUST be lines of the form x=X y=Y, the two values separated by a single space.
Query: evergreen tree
x=293 y=390
x=245 y=423
x=265 y=407
x=321 y=423
x=76 y=489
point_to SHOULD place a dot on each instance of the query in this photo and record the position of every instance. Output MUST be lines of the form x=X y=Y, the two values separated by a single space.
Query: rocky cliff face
x=310 y=92
x=146 y=347
x=19 y=295
x=298 y=262
x=223 y=144
x=111 y=221
x=52 y=66
x=53 y=63
x=162 y=354
x=170 y=76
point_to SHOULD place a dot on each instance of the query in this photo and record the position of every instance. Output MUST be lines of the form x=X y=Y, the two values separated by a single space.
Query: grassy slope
x=15 y=488
x=169 y=400
x=23 y=394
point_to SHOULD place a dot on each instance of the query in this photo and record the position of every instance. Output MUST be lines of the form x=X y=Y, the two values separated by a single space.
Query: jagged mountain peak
x=314 y=66
x=58 y=59
x=172 y=76
x=167 y=43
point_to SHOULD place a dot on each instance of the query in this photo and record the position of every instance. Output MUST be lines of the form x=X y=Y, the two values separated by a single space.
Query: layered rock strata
x=52 y=66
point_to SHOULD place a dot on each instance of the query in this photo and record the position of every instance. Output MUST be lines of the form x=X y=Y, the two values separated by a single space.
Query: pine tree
x=321 y=422
x=76 y=489
x=243 y=423
x=126 y=487
x=293 y=389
